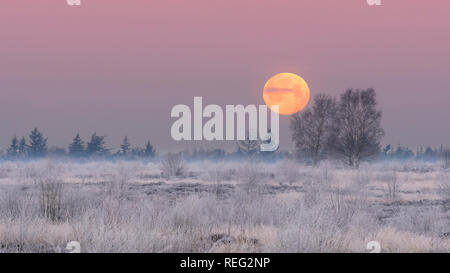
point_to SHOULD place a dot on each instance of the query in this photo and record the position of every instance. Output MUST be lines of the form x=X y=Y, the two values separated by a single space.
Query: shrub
x=50 y=192
x=444 y=188
x=289 y=172
x=50 y=198
x=172 y=165
x=446 y=159
x=391 y=182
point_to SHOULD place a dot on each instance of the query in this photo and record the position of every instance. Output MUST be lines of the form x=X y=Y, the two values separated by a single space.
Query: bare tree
x=172 y=165
x=311 y=128
x=356 y=131
x=445 y=154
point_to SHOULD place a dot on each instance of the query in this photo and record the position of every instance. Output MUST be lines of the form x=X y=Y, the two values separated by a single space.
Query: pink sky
x=118 y=67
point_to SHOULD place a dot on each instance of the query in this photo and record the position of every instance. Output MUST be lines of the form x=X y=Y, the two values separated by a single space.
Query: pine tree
x=125 y=147
x=13 y=150
x=76 y=148
x=23 y=147
x=96 y=146
x=149 y=150
x=38 y=144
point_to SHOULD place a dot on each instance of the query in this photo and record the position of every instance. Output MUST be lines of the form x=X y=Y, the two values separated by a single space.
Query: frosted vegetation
x=173 y=206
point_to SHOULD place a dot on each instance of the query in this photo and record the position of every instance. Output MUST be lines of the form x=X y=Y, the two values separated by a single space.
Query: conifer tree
x=38 y=144
x=96 y=146
x=23 y=147
x=125 y=147
x=13 y=150
x=76 y=148
x=149 y=150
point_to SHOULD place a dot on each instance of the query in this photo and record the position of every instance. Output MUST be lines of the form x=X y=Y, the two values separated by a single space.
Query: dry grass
x=223 y=207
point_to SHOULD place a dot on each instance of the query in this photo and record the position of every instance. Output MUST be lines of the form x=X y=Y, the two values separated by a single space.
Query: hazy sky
x=117 y=67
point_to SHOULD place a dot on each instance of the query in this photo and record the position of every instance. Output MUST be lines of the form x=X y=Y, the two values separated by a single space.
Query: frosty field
x=223 y=207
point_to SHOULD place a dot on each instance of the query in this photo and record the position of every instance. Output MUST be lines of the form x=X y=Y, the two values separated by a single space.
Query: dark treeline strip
x=346 y=129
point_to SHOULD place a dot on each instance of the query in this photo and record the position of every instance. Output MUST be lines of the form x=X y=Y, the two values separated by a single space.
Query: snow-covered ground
x=224 y=207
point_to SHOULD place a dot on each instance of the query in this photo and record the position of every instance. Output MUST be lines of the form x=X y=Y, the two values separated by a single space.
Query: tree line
x=421 y=153
x=349 y=128
x=35 y=146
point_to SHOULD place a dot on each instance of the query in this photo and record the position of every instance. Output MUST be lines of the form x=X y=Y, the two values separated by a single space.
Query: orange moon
x=287 y=90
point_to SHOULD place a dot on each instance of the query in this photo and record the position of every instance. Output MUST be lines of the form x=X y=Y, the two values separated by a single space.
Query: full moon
x=287 y=90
